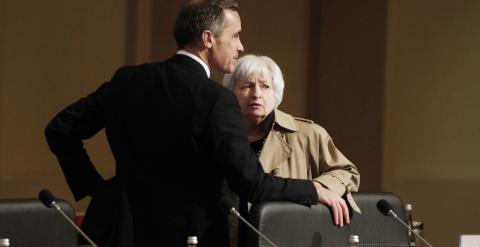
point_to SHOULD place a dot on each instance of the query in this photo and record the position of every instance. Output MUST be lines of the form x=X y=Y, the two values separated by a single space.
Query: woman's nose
x=257 y=92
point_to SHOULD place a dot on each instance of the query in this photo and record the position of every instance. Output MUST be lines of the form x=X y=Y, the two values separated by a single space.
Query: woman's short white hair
x=250 y=65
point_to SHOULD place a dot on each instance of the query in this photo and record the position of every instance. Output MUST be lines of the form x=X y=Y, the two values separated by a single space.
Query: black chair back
x=27 y=222
x=292 y=225
x=373 y=227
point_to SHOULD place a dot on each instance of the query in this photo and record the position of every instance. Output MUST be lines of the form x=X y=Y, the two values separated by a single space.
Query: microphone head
x=384 y=207
x=47 y=198
x=226 y=205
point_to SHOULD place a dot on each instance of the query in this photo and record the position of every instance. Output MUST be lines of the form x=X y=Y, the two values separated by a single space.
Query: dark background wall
x=347 y=78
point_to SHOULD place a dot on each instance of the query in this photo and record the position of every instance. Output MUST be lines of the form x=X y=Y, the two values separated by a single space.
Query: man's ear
x=208 y=39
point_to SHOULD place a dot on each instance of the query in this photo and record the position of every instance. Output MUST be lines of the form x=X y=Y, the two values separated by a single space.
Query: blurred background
x=395 y=82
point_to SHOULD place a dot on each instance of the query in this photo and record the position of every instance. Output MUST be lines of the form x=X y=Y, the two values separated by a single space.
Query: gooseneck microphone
x=227 y=205
x=386 y=209
x=48 y=199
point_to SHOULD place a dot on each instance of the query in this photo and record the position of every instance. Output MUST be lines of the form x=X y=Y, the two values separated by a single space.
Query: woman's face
x=256 y=97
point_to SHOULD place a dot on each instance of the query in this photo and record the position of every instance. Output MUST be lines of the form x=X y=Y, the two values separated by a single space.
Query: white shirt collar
x=194 y=57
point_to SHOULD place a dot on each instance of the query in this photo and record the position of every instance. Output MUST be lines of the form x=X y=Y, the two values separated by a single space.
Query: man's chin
x=229 y=70
x=226 y=69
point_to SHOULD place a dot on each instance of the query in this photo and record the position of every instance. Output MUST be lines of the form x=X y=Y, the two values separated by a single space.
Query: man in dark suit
x=176 y=136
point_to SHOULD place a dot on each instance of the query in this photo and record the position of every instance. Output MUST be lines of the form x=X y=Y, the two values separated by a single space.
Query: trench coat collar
x=285 y=120
x=276 y=150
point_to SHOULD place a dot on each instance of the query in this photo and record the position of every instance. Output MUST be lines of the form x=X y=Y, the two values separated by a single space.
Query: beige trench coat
x=299 y=148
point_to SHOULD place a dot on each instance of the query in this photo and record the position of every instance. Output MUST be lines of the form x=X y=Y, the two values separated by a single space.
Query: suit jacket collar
x=198 y=59
x=194 y=66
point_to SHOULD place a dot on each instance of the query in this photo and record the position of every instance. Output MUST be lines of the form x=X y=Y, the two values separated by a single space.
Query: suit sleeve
x=241 y=167
x=67 y=130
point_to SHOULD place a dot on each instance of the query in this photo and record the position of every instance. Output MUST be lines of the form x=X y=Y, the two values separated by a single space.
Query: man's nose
x=240 y=47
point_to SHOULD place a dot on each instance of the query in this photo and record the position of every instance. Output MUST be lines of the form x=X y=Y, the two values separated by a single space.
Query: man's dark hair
x=198 y=16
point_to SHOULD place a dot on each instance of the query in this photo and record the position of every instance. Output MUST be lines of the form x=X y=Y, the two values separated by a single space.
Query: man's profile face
x=227 y=47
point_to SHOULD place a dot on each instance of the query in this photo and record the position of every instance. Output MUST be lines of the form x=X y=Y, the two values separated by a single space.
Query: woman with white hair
x=288 y=146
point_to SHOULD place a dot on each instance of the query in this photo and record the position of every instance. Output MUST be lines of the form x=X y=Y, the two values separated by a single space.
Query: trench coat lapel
x=275 y=151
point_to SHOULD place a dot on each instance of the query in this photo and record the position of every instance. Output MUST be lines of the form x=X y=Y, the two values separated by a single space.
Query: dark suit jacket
x=108 y=221
x=176 y=135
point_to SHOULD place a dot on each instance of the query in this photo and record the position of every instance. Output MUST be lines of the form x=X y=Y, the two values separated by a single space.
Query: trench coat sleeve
x=338 y=173
x=241 y=167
